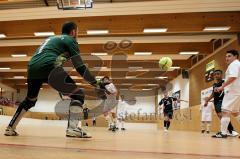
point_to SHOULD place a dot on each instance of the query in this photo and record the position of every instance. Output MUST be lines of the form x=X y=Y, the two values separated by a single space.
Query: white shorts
x=121 y=115
x=231 y=103
x=206 y=116
x=110 y=104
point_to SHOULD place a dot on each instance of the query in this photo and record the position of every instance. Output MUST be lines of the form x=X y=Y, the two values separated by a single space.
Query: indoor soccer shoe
x=85 y=134
x=10 y=132
x=114 y=129
x=78 y=133
x=219 y=135
x=233 y=134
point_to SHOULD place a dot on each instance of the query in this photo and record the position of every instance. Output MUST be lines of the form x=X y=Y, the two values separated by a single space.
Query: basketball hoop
x=74 y=4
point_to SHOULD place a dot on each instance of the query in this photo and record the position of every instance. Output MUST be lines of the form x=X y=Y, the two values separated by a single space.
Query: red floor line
x=121 y=151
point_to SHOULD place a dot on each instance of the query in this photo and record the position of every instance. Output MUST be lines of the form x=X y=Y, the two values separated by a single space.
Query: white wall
x=46 y=101
x=179 y=84
x=183 y=85
x=145 y=101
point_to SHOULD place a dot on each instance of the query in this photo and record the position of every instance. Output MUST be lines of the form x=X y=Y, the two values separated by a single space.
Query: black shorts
x=85 y=117
x=34 y=84
x=169 y=114
x=218 y=106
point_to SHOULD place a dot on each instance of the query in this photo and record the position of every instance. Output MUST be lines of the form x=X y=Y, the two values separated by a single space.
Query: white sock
x=122 y=124
x=208 y=126
x=109 y=120
x=20 y=116
x=224 y=124
x=115 y=121
x=118 y=122
x=80 y=124
x=202 y=126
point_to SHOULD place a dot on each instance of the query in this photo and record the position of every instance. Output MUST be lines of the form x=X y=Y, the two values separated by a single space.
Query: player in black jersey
x=85 y=115
x=218 y=98
x=167 y=103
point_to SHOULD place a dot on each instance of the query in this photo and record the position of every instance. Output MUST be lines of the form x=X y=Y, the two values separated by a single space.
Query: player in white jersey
x=206 y=112
x=121 y=113
x=110 y=110
x=231 y=86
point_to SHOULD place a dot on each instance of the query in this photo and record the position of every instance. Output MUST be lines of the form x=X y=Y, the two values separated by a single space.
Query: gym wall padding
x=189 y=119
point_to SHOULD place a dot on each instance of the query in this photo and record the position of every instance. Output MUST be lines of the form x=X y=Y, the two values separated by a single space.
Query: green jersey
x=53 y=52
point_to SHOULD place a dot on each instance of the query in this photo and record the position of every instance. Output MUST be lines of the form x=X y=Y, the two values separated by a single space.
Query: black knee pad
x=79 y=95
x=27 y=104
x=78 y=98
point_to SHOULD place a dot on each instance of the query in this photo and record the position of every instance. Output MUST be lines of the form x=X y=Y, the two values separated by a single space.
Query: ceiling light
x=18 y=77
x=97 y=32
x=146 y=89
x=44 y=33
x=162 y=77
x=74 y=77
x=142 y=53
x=144 y=70
x=220 y=28
x=152 y=84
x=99 y=77
x=188 y=52
x=99 y=54
x=19 y=55
x=5 y=68
x=2 y=36
x=155 y=30
x=175 y=67
x=100 y=67
x=130 y=77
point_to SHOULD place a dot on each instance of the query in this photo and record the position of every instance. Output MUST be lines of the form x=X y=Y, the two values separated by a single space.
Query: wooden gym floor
x=46 y=140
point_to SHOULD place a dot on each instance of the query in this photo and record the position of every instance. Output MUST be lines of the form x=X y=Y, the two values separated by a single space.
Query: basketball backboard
x=74 y=4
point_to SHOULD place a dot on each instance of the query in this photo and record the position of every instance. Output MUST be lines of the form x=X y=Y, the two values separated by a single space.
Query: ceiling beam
x=178 y=23
x=145 y=64
x=109 y=57
x=133 y=39
x=155 y=48
x=113 y=9
x=141 y=75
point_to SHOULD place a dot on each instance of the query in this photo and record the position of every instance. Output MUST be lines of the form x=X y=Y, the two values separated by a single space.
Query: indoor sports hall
x=119 y=79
